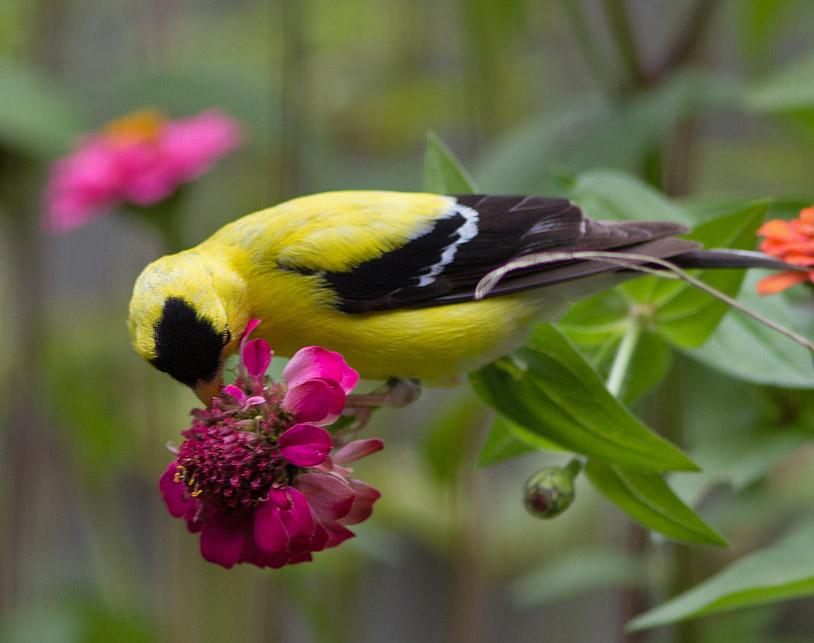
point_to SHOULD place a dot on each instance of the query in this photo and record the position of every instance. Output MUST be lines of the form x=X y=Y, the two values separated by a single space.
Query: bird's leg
x=396 y=392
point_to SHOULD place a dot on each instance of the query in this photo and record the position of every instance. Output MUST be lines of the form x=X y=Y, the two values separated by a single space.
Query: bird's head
x=187 y=315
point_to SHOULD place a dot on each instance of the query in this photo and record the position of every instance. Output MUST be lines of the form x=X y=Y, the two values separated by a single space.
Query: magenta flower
x=254 y=474
x=140 y=158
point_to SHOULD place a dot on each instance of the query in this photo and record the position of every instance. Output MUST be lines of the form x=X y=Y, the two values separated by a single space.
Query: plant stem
x=621 y=363
x=625 y=41
x=687 y=40
x=587 y=42
x=294 y=86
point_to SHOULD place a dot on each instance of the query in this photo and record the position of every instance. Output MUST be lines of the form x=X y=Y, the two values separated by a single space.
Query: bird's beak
x=206 y=390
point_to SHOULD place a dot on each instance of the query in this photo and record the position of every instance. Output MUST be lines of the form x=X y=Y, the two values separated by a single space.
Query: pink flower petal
x=305 y=445
x=337 y=534
x=279 y=498
x=298 y=522
x=235 y=392
x=222 y=539
x=313 y=401
x=175 y=494
x=315 y=362
x=329 y=497
x=253 y=323
x=302 y=557
x=365 y=496
x=190 y=146
x=256 y=356
x=357 y=449
x=143 y=167
x=252 y=554
x=320 y=537
x=269 y=533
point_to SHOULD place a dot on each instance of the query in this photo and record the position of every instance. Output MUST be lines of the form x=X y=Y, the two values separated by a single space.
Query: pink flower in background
x=254 y=474
x=140 y=158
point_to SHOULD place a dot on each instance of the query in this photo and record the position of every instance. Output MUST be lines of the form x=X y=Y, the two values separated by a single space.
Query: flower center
x=231 y=463
x=142 y=125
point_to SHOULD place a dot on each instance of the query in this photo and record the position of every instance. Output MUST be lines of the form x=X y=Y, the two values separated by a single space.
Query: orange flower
x=793 y=242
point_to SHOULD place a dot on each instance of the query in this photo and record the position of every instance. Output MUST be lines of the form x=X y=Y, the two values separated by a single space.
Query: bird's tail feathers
x=727 y=258
x=671 y=268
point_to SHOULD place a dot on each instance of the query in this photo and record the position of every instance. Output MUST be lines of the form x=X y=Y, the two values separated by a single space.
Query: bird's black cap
x=187 y=346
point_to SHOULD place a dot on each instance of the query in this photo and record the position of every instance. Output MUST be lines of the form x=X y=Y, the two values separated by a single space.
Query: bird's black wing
x=481 y=233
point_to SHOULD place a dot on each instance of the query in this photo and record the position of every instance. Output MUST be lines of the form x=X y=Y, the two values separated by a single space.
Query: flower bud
x=550 y=491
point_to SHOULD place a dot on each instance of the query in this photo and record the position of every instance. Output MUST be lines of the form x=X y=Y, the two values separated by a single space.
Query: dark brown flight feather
x=509 y=227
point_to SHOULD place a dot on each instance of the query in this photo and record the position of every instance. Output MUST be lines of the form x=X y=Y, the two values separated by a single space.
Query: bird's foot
x=396 y=392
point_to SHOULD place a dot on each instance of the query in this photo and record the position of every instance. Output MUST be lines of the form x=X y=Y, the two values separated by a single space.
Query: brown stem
x=22 y=423
x=470 y=615
x=688 y=40
x=632 y=601
x=587 y=42
x=293 y=98
x=622 y=33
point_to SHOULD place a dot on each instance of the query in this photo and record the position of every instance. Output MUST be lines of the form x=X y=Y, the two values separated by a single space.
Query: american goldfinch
x=387 y=279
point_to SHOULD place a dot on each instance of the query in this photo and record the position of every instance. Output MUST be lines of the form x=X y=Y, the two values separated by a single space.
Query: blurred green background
x=708 y=101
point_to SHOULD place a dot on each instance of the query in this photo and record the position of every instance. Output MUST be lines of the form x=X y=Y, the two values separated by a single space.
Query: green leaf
x=550 y=389
x=521 y=161
x=770 y=358
x=186 y=90
x=758 y=25
x=501 y=444
x=685 y=315
x=598 y=319
x=648 y=499
x=508 y=439
x=787 y=90
x=578 y=572
x=650 y=363
x=779 y=572
x=38 y=117
x=445 y=445
x=443 y=173
x=591 y=130
x=612 y=194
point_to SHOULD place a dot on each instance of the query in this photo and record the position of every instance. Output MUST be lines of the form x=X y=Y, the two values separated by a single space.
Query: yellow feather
x=234 y=276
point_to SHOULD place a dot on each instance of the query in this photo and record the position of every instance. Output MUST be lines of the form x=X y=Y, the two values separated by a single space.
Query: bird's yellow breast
x=334 y=232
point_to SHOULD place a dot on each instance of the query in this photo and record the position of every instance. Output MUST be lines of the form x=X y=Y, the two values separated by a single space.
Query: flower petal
x=298 y=522
x=337 y=534
x=776 y=228
x=253 y=323
x=365 y=496
x=235 y=392
x=302 y=557
x=778 y=283
x=252 y=554
x=305 y=445
x=256 y=356
x=315 y=362
x=269 y=533
x=175 y=494
x=222 y=539
x=320 y=537
x=330 y=498
x=313 y=400
x=357 y=449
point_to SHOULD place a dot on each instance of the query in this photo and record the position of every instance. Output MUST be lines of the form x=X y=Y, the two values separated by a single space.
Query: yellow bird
x=387 y=279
